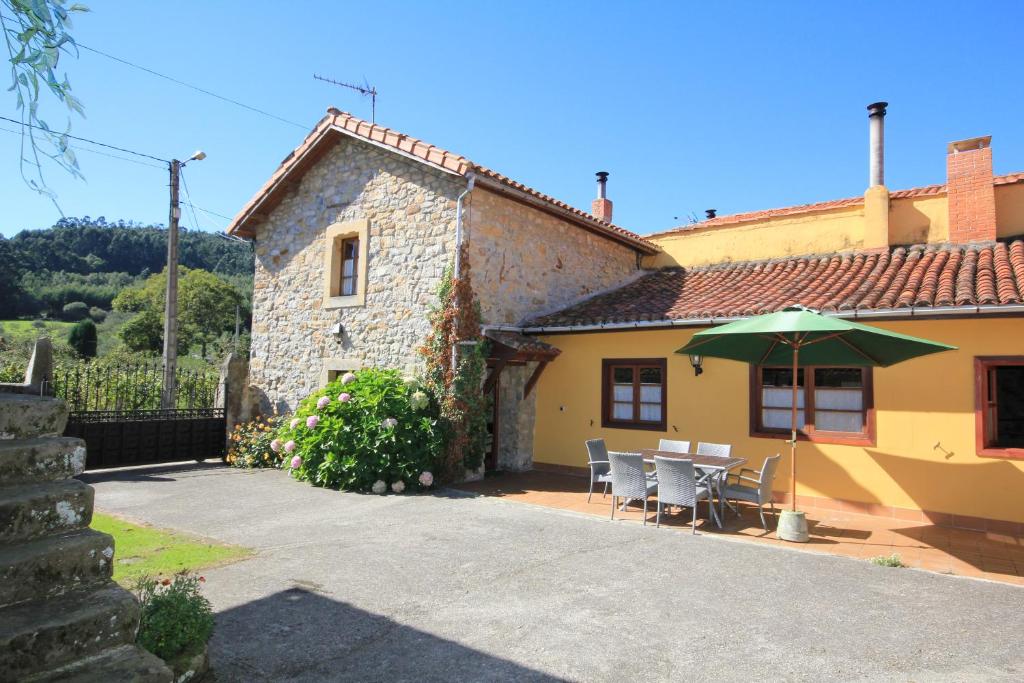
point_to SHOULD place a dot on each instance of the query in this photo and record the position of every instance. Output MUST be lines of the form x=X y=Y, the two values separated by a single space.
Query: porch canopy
x=509 y=347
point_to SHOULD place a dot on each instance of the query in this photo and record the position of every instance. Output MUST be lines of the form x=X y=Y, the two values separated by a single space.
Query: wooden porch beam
x=533 y=378
x=492 y=378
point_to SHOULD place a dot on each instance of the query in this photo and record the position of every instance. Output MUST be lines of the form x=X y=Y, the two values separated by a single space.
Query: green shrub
x=363 y=429
x=888 y=561
x=175 y=617
x=83 y=339
x=97 y=314
x=250 y=444
x=74 y=311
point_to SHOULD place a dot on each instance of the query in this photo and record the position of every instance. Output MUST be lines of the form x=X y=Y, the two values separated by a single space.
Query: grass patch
x=143 y=550
x=17 y=331
x=888 y=561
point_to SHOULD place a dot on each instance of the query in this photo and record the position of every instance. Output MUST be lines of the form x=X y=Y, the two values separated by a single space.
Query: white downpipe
x=458 y=252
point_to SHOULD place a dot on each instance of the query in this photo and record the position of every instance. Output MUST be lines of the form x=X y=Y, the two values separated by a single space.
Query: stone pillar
x=233 y=390
x=515 y=419
x=38 y=375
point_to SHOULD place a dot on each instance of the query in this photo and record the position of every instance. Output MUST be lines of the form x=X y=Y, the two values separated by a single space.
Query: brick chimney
x=972 y=197
x=602 y=206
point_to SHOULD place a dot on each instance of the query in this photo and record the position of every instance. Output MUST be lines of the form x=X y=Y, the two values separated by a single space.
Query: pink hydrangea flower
x=348 y=378
x=398 y=486
x=344 y=397
x=388 y=423
x=296 y=462
x=323 y=402
x=312 y=421
x=380 y=487
x=426 y=480
x=275 y=445
x=289 y=447
x=294 y=422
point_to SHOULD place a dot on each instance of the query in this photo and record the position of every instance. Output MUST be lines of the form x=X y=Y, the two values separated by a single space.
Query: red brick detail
x=601 y=209
x=972 y=197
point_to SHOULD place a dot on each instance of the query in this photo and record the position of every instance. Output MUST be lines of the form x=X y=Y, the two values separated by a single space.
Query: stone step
x=30 y=511
x=41 y=635
x=47 y=458
x=26 y=417
x=124 y=664
x=51 y=566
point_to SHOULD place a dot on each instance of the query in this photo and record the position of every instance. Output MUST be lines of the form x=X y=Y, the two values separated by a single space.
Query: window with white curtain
x=634 y=393
x=831 y=400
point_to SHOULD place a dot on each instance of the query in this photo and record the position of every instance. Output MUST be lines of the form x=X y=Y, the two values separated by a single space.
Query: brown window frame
x=866 y=437
x=983 y=410
x=607 y=377
x=345 y=241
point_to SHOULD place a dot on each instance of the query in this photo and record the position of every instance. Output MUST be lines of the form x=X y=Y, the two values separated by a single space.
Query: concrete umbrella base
x=792 y=527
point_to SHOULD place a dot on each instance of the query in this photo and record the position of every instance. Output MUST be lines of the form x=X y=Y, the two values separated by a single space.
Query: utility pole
x=168 y=397
x=170 y=389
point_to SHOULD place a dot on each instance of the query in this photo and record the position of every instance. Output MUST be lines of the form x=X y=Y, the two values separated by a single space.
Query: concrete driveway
x=448 y=587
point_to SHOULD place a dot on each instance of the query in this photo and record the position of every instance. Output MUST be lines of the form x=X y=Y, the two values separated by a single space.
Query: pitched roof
x=339 y=122
x=751 y=216
x=918 y=276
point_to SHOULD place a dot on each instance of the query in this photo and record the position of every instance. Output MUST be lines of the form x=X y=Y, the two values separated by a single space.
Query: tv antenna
x=365 y=89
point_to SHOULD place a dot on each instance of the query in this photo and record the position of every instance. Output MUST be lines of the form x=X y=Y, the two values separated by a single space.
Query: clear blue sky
x=688 y=105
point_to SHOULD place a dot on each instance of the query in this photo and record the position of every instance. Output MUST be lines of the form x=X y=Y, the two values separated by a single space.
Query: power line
x=188 y=197
x=96 y=151
x=91 y=142
x=193 y=87
x=212 y=213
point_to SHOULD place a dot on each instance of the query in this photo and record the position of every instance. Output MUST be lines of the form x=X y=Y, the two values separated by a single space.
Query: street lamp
x=170 y=389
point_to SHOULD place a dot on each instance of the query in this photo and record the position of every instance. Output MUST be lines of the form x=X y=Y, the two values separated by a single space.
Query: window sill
x=833 y=438
x=1005 y=453
x=352 y=301
x=652 y=427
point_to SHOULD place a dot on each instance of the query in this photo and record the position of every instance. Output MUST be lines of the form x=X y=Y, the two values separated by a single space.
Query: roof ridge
x=745 y=216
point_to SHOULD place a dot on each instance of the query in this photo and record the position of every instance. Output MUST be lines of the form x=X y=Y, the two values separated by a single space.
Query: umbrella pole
x=792 y=443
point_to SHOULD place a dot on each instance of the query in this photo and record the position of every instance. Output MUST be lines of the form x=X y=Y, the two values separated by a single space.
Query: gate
x=116 y=410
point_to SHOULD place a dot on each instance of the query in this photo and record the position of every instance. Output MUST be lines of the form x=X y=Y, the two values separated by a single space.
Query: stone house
x=353 y=234
x=355 y=229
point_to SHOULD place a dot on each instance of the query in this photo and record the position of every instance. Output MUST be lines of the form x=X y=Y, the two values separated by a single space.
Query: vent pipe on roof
x=601 y=208
x=876 y=126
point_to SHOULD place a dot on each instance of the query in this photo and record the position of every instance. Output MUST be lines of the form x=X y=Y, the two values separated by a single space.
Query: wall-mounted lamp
x=697 y=361
x=338 y=330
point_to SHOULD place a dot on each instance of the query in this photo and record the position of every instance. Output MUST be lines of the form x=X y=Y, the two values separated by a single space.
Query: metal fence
x=94 y=386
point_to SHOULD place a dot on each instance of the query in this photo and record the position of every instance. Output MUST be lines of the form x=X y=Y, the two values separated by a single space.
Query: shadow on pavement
x=300 y=634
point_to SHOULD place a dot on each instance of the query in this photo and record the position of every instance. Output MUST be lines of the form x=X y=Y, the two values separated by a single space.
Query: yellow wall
x=925 y=455
x=912 y=220
x=1010 y=210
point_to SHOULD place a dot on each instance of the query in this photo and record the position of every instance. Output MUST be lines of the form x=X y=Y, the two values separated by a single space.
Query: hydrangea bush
x=253 y=444
x=368 y=431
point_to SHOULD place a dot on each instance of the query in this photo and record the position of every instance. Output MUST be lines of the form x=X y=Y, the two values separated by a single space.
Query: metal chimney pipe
x=602 y=184
x=876 y=127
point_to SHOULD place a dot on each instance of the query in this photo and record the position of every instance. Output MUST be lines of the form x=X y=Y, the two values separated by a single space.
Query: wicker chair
x=677 y=485
x=629 y=480
x=717 y=450
x=674 y=446
x=600 y=470
x=761 y=491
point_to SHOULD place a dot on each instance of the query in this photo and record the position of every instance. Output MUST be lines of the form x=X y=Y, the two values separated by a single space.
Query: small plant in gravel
x=254 y=444
x=366 y=431
x=888 y=561
x=175 y=618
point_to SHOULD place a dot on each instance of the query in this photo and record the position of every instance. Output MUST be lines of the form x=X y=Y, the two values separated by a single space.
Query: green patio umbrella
x=798 y=336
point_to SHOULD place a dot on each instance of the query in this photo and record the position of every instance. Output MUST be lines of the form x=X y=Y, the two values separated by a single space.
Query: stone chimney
x=602 y=206
x=971 y=195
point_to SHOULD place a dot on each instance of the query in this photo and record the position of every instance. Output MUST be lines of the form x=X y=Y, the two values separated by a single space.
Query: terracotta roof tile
x=752 y=216
x=922 y=276
x=339 y=120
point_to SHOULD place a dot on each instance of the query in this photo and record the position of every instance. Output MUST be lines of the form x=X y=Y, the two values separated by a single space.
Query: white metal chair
x=674 y=446
x=629 y=480
x=759 y=493
x=600 y=469
x=677 y=485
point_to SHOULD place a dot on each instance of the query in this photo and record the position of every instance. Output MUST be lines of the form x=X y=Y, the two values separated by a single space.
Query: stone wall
x=515 y=419
x=410 y=208
x=527 y=262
